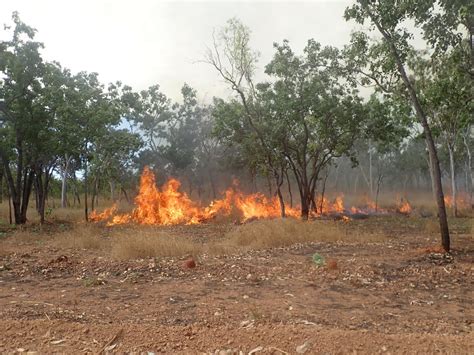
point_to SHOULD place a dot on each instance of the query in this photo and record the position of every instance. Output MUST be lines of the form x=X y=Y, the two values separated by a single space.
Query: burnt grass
x=394 y=295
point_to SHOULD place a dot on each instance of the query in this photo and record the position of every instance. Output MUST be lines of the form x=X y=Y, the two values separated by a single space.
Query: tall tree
x=385 y=63
x=232 y=57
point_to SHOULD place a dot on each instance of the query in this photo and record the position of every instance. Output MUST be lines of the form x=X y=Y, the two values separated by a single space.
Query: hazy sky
x=146 y=42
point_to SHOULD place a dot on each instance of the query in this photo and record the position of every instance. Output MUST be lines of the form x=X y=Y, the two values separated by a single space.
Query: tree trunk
x=1 y=183
x=379 y=182
x=430 y=168
x=421 y=115
x=279 y=183
x=43 y=187
x=125 y=194
x=453 y=180
x=323 y=191
x=371 y=188
x=112 y=190
x=64 y=182
x=289 y=189
x=10 y=210
x=469 y=167
x=443 y=220
x=86 y=211
x=27 y=186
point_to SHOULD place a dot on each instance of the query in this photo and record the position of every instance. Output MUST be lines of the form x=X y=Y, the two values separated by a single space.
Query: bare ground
x=393 y=296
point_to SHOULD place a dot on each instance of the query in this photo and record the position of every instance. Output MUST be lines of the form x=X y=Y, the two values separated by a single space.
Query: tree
x=314 y=112
x=446 y=90
x=21 y=67
x=235 y=62
x=385 y=63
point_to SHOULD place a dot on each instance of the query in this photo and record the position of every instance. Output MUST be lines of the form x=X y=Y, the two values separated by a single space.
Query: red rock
x=189 y=264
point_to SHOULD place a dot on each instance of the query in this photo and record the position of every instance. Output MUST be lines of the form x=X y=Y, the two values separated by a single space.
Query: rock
x=189 y=264
x=303 y=348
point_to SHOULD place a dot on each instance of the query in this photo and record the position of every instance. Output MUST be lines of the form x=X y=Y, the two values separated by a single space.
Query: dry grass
x=284 y=232
x=431 y=227
x=82 y=236
x=146 y=242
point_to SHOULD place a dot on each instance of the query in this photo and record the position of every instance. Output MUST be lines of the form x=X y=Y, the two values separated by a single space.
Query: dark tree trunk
x=1 y=183
x=42 y=187
x=125 y=194
x=323 y=190
x=10 y=219
x=279 y=183
x=20 y=188
x=379 y=182
x=27 y=187
x=289 y=188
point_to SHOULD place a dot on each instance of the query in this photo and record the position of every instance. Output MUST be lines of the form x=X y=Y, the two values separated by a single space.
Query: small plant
x=318 y=259
x=92 y=282
x=48 y=212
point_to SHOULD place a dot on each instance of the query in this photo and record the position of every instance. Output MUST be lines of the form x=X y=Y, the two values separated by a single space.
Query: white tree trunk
x=112 y=190
x=453 y=180
x=469 y=167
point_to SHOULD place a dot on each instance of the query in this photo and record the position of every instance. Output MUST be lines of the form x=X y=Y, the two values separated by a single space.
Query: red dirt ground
x=378 y=298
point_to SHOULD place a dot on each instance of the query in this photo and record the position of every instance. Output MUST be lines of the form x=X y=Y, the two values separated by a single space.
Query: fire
x=249 y=206
x=167 y=205
x=462 y=201
x=404 y=207
x=170 y=206
x=106 y=214
x=325 y=206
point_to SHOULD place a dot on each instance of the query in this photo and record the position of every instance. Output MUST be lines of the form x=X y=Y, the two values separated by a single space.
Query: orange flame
x=169 y=206
x=404 y=207
x=461 y=201
x=106 y=214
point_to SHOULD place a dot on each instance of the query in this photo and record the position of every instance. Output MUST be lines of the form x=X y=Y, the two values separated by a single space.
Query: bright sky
x=147 y=42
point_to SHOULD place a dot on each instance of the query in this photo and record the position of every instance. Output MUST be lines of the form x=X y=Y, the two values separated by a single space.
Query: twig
x=111 y=341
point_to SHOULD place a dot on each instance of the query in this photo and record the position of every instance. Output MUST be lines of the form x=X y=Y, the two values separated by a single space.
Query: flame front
x=106 y=214
x=169 y=206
